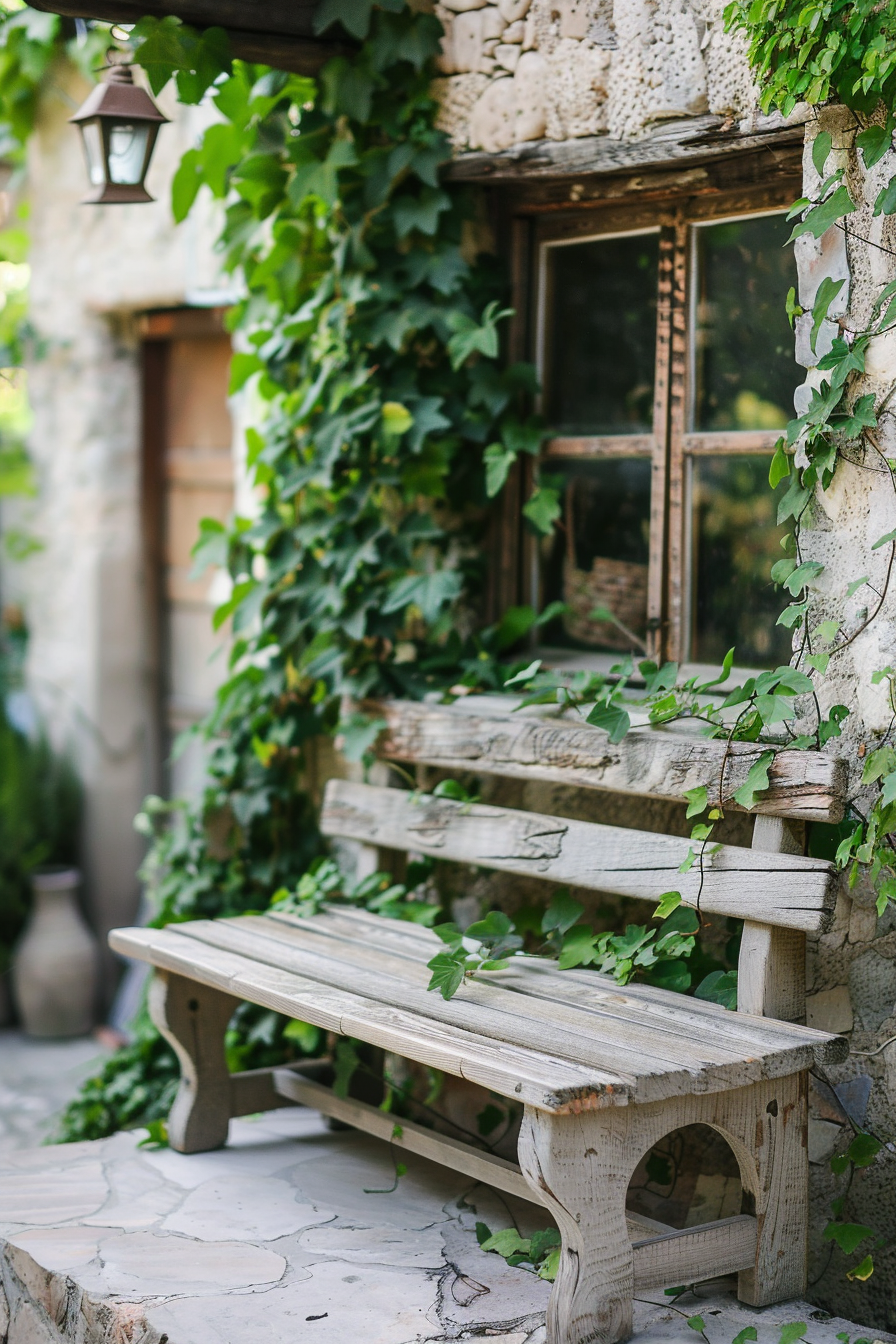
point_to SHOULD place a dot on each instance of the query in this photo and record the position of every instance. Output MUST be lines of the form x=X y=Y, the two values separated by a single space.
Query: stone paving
x=37 y=1079
x=291 y=1234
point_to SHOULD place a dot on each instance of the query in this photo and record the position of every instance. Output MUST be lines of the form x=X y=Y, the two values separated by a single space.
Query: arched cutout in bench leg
x=193 y=1019
x=581 y=1171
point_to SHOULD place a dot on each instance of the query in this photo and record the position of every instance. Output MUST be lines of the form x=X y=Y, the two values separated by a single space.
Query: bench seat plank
x=649 y=762
x=367 y=936
x=522 y=1046
x=787 y=890
x=524 y=1075
x=653 y=1064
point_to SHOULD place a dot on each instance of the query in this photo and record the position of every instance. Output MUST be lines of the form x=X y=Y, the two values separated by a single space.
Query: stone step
x=292 y=1233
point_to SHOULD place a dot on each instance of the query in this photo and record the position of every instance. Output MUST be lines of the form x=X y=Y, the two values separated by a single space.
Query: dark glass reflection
x=599 y=557
x=735 y=542
x=600 y=337
x=745 y=372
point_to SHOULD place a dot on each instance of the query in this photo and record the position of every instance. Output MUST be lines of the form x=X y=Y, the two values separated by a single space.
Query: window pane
x=735 y=541
x=599 y=558
x=600 y=335
x=745 y=372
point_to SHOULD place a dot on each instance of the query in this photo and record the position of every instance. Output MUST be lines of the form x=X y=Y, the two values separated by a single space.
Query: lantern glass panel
x=93 y=148
x=127 y=152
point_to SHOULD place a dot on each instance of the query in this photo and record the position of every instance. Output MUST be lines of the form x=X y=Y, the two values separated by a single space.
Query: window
x=668 y=373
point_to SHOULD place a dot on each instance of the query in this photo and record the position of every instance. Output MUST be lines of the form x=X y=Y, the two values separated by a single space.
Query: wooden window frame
x=673 y=445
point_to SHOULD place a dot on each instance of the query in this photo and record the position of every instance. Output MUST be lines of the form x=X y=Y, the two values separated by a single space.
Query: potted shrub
x=42 y=932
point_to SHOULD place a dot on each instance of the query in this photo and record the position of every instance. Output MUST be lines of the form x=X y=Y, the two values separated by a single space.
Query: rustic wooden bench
x=603 y=1072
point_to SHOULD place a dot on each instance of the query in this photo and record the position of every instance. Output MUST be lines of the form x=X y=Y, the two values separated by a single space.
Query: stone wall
x=523 y=70
x=852 y=969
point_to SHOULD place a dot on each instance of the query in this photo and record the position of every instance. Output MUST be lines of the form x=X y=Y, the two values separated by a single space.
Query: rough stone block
x=824 y=1136
x=830 y=1010
x=872 y=988
x=467 y=41
x=512 y=10
x=493 y=23
x=507 y=56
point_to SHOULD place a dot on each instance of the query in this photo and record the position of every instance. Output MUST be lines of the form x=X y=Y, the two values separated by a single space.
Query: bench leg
x=778 y=1142
x=580 y=1166
x=193 y=1019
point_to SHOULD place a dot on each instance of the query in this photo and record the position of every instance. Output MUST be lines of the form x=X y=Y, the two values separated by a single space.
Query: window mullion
x=676 y=542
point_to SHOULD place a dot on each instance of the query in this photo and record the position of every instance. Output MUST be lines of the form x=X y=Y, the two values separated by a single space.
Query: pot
x=54 y=971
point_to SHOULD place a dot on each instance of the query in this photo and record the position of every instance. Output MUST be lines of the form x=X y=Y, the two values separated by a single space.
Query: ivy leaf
x=848 y=1236
x=697 y=1323
x=719 y=987
x=794 y=500
x=429 y=592
x=397 y=419
x=358 y=734
x=874 y=142
x=780 y=465
x=886 y=199
x=821 y=148
x=856 y=584
x=669 y=901
x=791 y=1332
x=821 y=217
x=825 y=296
x=562 y=913
x=507 y=1242
x=830 y=727
x=498 y=461
x=697 y=801
x=578 y=948
x=827 y=631
x=862 y=1271
x=447 y=972
x=743 y=1336
x=353 y=15
x=819 y=661
x=802 y=576
x=756 y=781
x=471 y=336
x=882 y=541
x=793 y=614
x=863 y=1150
x=791 y=307
x=526 y=675
x=543 y=509
x=614 y=721
x=420 y=212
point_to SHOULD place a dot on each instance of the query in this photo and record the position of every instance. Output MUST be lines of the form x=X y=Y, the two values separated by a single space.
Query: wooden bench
x=603 y=1072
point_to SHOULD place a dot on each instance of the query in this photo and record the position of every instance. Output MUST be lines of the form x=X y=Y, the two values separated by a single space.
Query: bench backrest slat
x=787 y=890
x=648 y=762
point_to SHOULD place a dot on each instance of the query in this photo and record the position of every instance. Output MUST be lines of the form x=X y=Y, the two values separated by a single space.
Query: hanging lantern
x=119 y=123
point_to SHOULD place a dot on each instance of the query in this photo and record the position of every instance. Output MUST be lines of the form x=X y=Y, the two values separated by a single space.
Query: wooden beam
x=686 y=139
x=649 y=762
x=787 y=890
x=278 y=33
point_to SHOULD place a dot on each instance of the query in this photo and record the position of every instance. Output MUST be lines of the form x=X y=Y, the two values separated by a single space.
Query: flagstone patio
x=292 y=1233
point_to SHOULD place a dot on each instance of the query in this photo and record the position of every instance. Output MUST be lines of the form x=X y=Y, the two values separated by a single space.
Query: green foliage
x=40 y=804
x=814 y=51
x=539 y=1253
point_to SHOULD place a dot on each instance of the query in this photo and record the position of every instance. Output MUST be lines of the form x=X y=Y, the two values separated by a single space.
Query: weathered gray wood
x=695 y=1253
x=520 y=1074
x=582 y=1166
x=363 y=939
x=771 y=968
x=650 y=1061
x=693 y=139
x=789 y=890
x=193 y=1019
x=649 y=762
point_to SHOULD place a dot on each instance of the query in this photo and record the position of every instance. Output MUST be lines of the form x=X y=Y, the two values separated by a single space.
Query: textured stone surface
x=616 y=66
x=37 y=1079
x=285 y=1235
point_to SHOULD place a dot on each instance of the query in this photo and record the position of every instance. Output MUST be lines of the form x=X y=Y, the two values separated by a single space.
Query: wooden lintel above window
x=694 y=155
x=277 y=32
